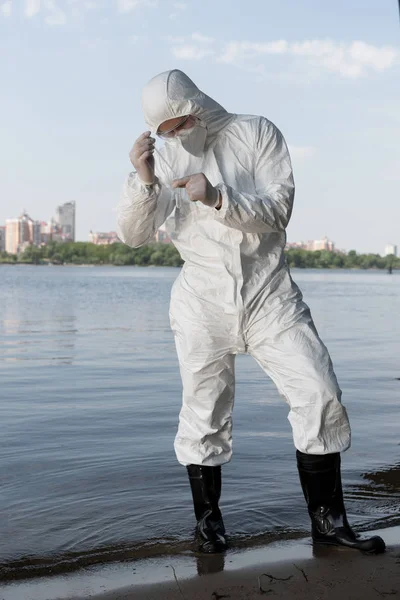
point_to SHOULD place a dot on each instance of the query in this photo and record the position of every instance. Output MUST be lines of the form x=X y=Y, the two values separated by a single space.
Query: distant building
x=51 y=231
x=2 y=238
x=323 y=244
x=65 y=220
x=295 y=245
x=34 y=232
x=162 y=236
x=101 y=238
x=314 y=245
x=12 y=235
x=45 y=232
x=390 y=249
x=21 y=232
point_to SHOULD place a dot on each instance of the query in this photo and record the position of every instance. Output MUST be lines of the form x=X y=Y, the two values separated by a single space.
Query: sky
x=326 y=73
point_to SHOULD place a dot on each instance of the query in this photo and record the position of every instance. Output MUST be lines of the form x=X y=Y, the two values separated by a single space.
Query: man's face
x=171 y=127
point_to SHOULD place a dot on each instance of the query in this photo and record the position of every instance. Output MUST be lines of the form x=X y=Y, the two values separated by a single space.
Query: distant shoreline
x=26 y=264
x=167 y=255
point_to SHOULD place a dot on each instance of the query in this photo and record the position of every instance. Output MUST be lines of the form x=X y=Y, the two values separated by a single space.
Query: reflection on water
x=90 y=397
x=380 y=487
x=388 y=480
x=49 y=337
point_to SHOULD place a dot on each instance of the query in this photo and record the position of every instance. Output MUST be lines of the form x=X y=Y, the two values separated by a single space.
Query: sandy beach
x=337 y=575
x=290 y=569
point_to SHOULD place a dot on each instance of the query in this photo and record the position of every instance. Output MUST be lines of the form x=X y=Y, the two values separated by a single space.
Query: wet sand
x=335 y=576
x=295 y=569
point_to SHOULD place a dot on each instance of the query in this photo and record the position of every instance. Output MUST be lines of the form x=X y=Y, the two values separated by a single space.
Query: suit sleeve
x=270 y=207
x=142 y=210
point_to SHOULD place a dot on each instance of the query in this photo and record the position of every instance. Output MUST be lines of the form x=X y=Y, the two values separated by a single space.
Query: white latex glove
x=199 y=189
x=142 y=158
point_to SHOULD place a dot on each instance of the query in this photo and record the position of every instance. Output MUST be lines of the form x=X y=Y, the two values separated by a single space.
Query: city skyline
x=67 y=233
x=20 y=232
x=328 y=77
x=41 y=232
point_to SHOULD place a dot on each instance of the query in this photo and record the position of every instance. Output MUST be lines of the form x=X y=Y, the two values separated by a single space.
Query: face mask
x=192 y=140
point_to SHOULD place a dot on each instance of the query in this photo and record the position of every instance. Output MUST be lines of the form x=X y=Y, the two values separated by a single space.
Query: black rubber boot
x=206 y=490
x=322 y=487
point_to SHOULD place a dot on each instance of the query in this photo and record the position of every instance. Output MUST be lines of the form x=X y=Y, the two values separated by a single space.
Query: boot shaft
x=321 y=482
x=322 y=487
x=205 y=483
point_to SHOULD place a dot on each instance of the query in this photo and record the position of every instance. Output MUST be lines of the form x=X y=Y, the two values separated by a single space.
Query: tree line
x=322 y=259
x=79 y=253
x=86 y=253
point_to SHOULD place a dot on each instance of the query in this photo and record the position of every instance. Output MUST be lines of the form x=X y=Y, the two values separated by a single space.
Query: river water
x=90 y=395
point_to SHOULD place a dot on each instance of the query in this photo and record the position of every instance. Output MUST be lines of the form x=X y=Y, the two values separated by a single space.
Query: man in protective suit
x=234 y=294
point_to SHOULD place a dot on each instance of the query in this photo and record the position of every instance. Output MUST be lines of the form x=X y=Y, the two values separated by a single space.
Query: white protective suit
x=234 y=293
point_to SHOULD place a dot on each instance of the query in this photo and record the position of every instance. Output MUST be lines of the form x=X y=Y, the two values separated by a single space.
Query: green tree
x=31 y=254
x=167 y=255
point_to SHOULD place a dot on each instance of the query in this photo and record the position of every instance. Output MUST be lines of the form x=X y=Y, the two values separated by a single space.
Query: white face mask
x=192 y=140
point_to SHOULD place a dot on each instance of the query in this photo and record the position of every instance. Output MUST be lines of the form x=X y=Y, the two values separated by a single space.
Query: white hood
x=172 y=94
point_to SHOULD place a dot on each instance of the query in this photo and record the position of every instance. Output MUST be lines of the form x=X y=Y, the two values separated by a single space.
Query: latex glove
x=142 y=158
x=199 y=189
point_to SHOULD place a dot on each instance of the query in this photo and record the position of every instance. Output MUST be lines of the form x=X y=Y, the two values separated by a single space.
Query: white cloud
x=125 y=6
x=355 y=59
x=352 y=60
x=179 y=6
x=239 y=51
x=301 y=152
x=78 y=9
x=188 y=52
x=198 y=37
x=56 y=16
x=31 y=8
x=378 y=58
x=6 y=8
x=53 y=14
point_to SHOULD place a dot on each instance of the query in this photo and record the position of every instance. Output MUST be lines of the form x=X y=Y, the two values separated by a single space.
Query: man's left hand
x=199 y=189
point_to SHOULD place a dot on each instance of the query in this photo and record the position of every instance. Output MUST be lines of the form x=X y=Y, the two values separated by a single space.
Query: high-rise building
x=65 y=218
x=45 y=233
x=17 y=233
x=34 y=232
x=390 y=249
x=2 y=238
x=21 y=232
x=12 y=235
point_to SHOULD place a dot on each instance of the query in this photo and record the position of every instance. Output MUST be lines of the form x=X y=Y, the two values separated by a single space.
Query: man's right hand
x=142 y=157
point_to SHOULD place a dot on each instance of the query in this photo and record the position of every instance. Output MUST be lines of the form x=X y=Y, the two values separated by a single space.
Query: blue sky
x=326 y=73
